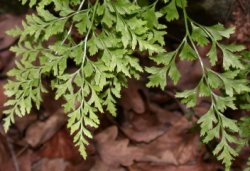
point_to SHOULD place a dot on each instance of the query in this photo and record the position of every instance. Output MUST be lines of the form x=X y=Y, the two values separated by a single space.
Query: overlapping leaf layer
x=101 y=38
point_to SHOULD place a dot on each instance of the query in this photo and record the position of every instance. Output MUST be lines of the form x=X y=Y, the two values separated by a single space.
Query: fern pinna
x=101 y=38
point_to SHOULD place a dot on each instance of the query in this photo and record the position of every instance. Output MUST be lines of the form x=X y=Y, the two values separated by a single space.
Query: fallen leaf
x=101 y=166
x=132 y=99
x=22 y=123
x=83 y=165
x=7 y=21
x=199 y=166
x=175 y=147
x=164 y=116
x=25 y=161
x=61 y=146
x=113 y=151
x=144 y=128
x=190 y=74
x=40 y=132
x=50 y=165
x=4 y=154
x=50 y=105
x=147 y=135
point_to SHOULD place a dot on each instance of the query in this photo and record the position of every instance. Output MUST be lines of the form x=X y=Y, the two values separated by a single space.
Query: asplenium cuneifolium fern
x=100 y=38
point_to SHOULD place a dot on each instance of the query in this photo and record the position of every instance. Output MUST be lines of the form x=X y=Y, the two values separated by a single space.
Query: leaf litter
x=151 y=133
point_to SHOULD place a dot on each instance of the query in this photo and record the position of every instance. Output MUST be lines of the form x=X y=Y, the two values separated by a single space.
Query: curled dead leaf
x=113 y=151
x=40 y=132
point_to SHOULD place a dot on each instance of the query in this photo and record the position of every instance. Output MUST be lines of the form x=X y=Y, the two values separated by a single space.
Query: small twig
x=242 y=6
x=229 y=11
x=13 y=155
x=22 y=150
x=11 y=149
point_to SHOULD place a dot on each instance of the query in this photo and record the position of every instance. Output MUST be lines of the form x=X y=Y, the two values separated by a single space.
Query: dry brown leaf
x=144 y=128
x=50 y=165
x=4 y=153
x=175 y=147
x=190 y=74
x=163 y=116
x=202 y=108
x=192 y=167
x=25 y=161
x=49 y=104
x=24 y=122
x=40 y=132
x=61 y=146
x=101 y=166
x=132 y=99
x=83 y=165
x=7 y=22
x=145 y=136
x=113 y=151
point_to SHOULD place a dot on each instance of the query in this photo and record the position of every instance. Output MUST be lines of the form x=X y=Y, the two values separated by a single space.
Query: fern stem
x=191 y=41
x=88 y=32
x=71 y=26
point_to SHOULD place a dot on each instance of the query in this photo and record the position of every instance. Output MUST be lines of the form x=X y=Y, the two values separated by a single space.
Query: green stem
x=88 y=32
x=191 y=41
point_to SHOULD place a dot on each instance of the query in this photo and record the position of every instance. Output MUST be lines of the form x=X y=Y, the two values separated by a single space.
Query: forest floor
x=152 y=132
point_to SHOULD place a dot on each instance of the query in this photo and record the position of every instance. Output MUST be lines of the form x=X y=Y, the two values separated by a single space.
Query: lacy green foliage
x=229 y=83
x=108 y=34
x=245 y=134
